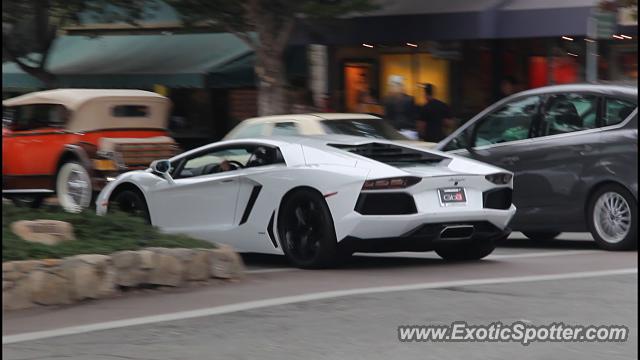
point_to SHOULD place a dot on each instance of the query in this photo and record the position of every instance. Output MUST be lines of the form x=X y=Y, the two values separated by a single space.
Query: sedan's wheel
x=131 y=202
x=465 y=250
x=541 y=235
x=306 y=231
x=613 y=217
x=73 y=187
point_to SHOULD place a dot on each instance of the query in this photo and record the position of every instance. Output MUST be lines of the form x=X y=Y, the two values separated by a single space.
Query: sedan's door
x=502 y=138
x=203 y=197
x=565 y=143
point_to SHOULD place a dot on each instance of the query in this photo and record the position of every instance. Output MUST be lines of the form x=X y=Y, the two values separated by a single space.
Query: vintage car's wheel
x=32 y=202
x=73 y=187
x=612 y=217
x=465 y=250
x=130 y=202
x=306 y=231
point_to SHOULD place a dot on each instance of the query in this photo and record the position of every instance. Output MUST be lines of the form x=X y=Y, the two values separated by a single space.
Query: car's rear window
x=130 y=111
x=391 y=154
x=371 y=128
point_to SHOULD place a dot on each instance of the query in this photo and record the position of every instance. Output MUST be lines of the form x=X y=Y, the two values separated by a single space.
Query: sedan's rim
x=612 y=217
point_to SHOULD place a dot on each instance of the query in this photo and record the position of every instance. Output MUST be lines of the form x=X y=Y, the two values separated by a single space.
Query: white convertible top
x=92 y=109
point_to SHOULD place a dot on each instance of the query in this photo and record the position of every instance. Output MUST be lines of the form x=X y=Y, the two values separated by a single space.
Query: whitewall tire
x=73 y=187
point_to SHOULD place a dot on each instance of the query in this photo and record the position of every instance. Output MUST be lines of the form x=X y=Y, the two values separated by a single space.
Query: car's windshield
x=371 y=128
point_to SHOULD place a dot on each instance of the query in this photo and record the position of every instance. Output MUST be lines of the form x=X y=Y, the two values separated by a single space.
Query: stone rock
x=90 y=276
x=146 y=259
x=225 y=263
x=16 y=296
x=48 y=287
x=128 y=270
x=125 y=259
x=167 y=270
x=25 y=265
x=48 y=232
x=198 y=266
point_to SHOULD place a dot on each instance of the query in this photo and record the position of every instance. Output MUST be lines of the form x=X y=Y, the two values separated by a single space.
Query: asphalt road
x=353 y=312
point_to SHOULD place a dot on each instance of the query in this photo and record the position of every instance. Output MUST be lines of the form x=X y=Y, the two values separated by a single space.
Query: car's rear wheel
x=28 y=201
x=306 y=230
x=73 y=187
x=130 y=202
x=465 y=250
x=612 y=217
x=541 y=235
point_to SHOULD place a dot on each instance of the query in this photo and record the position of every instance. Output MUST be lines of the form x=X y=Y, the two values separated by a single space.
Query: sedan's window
x=616 y=111
x=510 y=122
x=565 y=113
x=285 y=129
x=371 y=128
x=254 y=130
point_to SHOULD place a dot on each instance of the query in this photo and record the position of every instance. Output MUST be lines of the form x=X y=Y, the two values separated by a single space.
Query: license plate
x=452 y=196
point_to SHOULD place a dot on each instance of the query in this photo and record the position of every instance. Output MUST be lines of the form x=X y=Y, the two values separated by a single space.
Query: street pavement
x=277 y=312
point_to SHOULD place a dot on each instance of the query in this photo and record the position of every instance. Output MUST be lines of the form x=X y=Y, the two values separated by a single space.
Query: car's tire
x=32 y=202
x=465 y=250
x=73 y=187
x=130 y=202
x=612 y=217
x=306 y=230
x=541 y=235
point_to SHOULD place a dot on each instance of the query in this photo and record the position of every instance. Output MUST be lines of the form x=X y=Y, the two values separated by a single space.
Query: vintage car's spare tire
x=73 y=187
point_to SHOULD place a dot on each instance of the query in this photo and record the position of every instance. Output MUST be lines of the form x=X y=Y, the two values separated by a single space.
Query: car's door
x=203 y=196
x=566 y=141
x=502 y=137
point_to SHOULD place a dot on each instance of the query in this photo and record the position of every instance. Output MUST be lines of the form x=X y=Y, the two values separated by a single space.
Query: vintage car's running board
x=28 y=191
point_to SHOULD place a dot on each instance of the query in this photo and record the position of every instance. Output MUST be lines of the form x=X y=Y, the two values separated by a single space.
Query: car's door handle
x=510 y=160
x=586 y=150
x=228 y=180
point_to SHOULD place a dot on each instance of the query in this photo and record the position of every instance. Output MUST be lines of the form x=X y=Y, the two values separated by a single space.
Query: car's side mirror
x=162 y=167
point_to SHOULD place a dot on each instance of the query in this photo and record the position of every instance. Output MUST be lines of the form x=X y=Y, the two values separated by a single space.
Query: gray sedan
x=574 y=152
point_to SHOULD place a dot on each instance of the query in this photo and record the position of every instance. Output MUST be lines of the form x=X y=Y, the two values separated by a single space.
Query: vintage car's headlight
x=499 y=178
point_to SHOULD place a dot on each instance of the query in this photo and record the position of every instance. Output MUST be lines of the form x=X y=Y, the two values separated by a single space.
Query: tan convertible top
x=92 y=108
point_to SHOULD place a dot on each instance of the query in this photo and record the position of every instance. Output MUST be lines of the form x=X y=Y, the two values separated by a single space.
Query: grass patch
x=94 y=234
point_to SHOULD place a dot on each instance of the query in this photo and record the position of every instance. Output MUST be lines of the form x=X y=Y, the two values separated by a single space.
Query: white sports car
x=318 y=199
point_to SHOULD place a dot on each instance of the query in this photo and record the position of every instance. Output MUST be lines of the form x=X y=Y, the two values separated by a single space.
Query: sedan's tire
x=130 y=202
x=612 y=216
x=465 y=250
x=541 y=235
x=306 y=231
x=73 y=187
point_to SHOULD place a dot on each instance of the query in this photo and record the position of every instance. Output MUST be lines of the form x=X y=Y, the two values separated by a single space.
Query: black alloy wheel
x=306 y=230
x=131 y=202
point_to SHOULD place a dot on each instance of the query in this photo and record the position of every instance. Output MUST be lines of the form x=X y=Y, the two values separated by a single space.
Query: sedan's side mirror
x=163 y=168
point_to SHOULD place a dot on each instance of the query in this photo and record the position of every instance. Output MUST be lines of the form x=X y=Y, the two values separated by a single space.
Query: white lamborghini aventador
x=319 y=199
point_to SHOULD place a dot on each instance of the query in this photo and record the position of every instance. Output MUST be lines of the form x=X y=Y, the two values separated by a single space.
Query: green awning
x=141 y=61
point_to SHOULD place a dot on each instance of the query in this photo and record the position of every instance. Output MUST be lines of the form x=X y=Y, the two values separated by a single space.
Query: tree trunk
x=272 y=84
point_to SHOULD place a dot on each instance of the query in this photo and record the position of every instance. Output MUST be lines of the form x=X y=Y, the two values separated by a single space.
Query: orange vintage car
x=71 y=142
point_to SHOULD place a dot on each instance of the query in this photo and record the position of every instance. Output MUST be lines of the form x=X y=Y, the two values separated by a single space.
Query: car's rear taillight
x=391 y=183
x=499 y=178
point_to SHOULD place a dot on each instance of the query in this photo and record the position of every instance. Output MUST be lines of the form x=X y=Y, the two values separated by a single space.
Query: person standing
x=399 y=108
x=433 y=117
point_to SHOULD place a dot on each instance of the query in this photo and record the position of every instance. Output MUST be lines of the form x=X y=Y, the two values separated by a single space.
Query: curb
x=31 y=283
